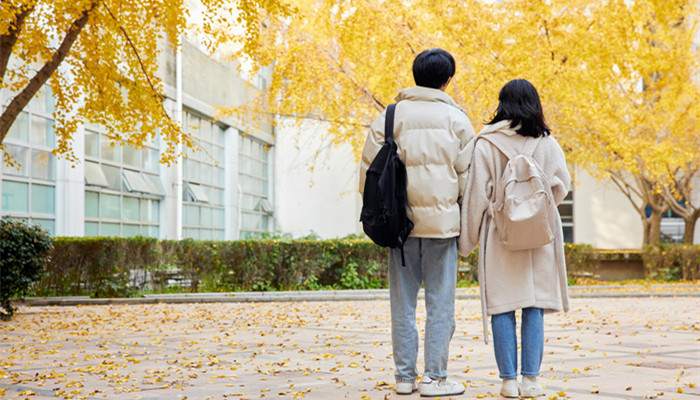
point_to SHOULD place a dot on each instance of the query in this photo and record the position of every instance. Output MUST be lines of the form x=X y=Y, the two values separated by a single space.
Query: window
x=566 y=211
x=253 y=178
x=122 y=188
x=203 y=181
x=29 y=188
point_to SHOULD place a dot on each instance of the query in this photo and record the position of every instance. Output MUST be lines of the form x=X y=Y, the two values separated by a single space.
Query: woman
x=532 y=280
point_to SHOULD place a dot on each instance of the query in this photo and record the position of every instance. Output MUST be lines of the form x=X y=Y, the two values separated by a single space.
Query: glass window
x=43 y=199
x=131 y=208
x=47 y=224
x=198 y=193
x=566 y=212
x=43 y=165
x=92 y=144
x=150 y=231
x=218 y=217
x=110 y=206
x=92 y=229
x=113 y=175
x=41 y=132
x=151 y=159
x=203 y=179
x=132 y=156
x=192 y=215
x=110 y=229
x=94 y=176
x=15 y=196
x=154 y=184
x=92 y=204
x=19 y=154
x=20 y=128
x=134 y=182
x=108 y=149
x=131 y=230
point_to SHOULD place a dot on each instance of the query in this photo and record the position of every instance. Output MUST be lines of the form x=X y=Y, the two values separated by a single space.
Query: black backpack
x=383 y=214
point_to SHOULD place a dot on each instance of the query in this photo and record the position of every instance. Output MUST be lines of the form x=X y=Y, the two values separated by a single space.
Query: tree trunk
x=21 y=100
x=652 y=227
x=689 y=232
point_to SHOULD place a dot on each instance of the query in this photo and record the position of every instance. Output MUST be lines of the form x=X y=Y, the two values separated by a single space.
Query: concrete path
x=609 y=346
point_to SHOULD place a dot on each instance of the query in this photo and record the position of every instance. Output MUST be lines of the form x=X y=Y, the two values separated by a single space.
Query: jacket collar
x=422 y=93
x=500 y=127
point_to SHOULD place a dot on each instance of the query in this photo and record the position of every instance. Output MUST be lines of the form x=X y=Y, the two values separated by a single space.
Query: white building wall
x=603 y=216
x=316 y=183
x=70 y=191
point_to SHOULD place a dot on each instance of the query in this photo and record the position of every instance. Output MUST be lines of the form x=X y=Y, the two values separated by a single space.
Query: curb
x=346 y=295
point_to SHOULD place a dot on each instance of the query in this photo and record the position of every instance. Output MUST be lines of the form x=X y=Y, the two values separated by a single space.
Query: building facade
x=222 y=190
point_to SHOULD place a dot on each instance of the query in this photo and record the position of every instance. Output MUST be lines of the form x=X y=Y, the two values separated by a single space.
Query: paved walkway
x=609 y=346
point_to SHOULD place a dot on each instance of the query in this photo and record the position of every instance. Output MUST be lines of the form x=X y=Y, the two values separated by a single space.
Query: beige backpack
x=523 y=211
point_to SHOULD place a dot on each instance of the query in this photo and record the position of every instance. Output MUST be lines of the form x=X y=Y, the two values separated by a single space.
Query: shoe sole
x=442 y=394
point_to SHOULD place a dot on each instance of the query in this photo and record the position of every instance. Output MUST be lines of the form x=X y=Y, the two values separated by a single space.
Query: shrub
x=24 y=250
x=669 y=261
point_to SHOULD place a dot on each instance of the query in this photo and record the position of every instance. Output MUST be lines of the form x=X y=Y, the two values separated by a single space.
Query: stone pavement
x=613 y=344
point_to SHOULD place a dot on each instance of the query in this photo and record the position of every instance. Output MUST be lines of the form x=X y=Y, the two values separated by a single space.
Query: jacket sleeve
x=475 y=201
x=561 y=180
x=465 y=133
x=373 y=143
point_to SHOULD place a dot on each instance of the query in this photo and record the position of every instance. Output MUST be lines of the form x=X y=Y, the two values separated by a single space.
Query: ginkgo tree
x=100 y=59
x=614 y=76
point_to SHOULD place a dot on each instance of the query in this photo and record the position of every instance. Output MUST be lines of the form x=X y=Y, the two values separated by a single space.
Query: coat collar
x=500 y=127
x=422 y=93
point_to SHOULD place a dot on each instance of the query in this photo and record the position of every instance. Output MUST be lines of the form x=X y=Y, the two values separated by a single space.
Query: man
x=432 y=133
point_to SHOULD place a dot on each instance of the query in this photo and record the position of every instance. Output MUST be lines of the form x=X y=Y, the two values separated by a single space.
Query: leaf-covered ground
x=604 y=348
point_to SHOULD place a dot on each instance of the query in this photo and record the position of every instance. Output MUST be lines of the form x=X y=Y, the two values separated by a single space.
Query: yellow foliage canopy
x=109 y=53
x=615 y=77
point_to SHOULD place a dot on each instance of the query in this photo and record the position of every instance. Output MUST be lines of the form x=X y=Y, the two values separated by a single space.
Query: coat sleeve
x=465 y=133
x=373 y=143
x=476 y=199
x=561 y=179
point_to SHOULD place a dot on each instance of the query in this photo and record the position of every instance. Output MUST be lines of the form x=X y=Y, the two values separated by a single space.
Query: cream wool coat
x=511 y=280
x=432 y=133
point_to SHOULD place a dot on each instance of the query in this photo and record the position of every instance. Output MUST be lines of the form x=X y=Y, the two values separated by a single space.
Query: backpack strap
x=510 y=153
x=389 y=138
x=530 y=146
x=389 y=123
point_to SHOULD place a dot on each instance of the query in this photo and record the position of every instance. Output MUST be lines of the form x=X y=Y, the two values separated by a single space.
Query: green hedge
x=120 y=267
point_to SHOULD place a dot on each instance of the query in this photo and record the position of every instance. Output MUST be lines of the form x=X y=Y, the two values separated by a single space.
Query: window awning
x=94 y=176
x=197 y=193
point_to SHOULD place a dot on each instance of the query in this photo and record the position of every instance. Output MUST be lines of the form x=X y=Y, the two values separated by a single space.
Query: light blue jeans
x=505 y=343
x=433 y=263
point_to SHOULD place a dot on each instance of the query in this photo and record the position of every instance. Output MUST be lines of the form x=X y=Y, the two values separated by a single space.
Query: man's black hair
x=433 y=68
x=519 y=102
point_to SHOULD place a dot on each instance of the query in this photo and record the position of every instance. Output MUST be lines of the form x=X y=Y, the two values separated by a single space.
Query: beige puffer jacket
x=432 y=133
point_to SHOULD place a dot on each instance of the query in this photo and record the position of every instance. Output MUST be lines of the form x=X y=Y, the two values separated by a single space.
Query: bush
x=669 y=261
x=24 y=250
x=111 y=267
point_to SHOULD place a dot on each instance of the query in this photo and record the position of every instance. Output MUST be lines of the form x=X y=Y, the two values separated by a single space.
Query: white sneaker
x=510 y=388
x=406 y=387
x=530 y=387
x=429 y=388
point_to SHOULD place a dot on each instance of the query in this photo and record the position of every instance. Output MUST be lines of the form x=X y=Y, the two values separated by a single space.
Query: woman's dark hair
x=519 y=102
x=432 y=68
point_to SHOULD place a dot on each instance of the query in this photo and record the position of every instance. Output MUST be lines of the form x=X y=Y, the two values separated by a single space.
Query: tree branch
x=8 y=40
x=22 y=99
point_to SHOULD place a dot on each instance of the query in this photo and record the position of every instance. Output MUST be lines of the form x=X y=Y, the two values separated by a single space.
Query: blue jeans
x=433 y=263
x=505 y=343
